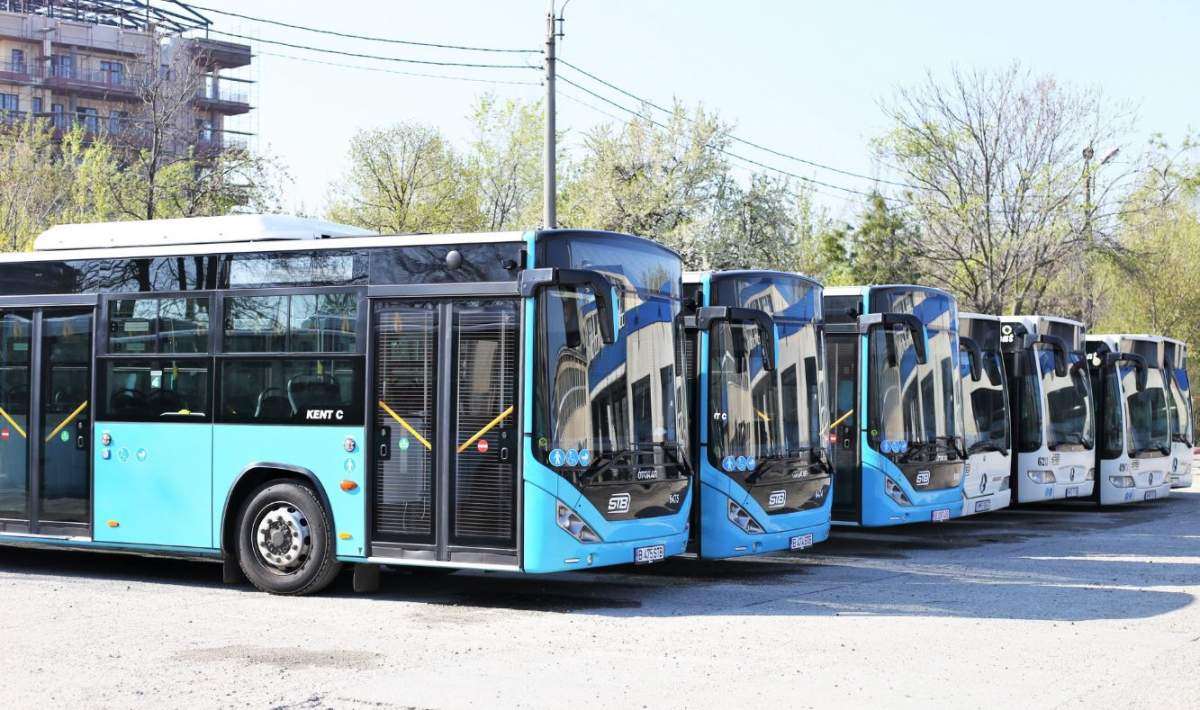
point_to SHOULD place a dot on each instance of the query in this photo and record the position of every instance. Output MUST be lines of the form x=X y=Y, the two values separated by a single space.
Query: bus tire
x=285 y=540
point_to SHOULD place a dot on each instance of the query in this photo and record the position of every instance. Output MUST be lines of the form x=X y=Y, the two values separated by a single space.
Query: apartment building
x=92 y=63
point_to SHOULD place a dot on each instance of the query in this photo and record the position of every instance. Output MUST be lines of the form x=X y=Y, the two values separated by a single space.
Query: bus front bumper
x=987 y=502
x=1153 y=486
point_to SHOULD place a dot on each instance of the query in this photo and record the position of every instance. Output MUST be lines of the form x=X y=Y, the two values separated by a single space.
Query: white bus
x=987 y=426
x=1050 y=396
x=1136 y=418
x=1184 y=434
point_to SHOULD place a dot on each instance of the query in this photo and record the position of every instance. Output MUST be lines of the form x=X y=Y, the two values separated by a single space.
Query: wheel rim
x=282 y=538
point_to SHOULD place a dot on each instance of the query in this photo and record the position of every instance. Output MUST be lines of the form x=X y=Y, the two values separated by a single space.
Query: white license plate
x=800 y=542
x=1151 y=495
x=941 y=515
x=1072 y=491
x=646 y=555
x=982 y=506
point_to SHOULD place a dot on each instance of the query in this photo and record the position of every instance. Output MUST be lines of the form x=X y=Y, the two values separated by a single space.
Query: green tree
x=505 y=163
x=405 y=178
x=884 y=247
x=662 y=182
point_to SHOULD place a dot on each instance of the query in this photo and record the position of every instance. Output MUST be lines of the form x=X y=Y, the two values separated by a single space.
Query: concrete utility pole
x=550 y=216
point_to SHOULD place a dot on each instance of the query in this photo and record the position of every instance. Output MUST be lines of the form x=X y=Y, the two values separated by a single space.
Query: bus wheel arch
x=285 y=484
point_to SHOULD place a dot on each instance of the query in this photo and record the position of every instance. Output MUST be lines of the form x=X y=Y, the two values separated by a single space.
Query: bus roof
x=191 y=230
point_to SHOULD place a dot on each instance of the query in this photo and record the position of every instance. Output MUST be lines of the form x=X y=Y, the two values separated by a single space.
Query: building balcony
x=222 y=100
x=21 y=73
x=100 y=84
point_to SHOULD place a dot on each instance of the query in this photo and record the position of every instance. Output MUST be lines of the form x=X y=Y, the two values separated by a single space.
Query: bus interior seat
x=313 y=391
x=273 y=404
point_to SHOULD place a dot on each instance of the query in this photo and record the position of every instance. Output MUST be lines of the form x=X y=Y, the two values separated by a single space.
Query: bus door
x=446 y=430
x=842 y=366
x=45 y=420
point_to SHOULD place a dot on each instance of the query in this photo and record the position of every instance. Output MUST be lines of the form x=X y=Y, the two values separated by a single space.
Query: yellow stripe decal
x=490 y=425
x=13 y=423
x=63 y=424
x=406 y=425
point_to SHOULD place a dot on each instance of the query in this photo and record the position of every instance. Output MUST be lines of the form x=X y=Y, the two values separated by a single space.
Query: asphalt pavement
x=1043 y=607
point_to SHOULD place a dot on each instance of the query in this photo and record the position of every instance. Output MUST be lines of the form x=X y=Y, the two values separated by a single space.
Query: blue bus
x=291 y=396
x=758 y=411
x=892 y=354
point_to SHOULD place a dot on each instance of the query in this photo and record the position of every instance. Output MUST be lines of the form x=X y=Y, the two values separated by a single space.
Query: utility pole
x=550 y=216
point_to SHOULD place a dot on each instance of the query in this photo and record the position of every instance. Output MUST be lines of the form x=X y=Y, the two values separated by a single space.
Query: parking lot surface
x=1058 y=606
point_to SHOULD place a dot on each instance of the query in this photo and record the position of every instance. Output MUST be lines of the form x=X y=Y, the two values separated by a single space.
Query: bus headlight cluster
x=1004 y=483
x=895 y=492
x=1091 y=474
x=1121 y=481
x=1041 y=476
x=739 y=517
x=571 y=522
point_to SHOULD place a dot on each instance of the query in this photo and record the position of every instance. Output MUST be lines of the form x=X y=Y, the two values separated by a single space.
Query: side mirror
x=974 y=354
x=532 y=280
x=1143 y=373
x=1060 y=352
x=914 y=325
x=708 y=315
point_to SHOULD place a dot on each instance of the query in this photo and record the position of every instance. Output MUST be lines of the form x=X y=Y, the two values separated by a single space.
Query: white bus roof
x=192 y=230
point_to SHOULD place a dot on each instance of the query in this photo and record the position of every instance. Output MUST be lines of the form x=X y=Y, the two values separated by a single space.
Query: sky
x=804 y=78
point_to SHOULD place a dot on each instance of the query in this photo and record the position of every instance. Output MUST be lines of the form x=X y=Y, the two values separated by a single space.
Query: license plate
x=800 y=542
x=941 y=515
x=982 y=506
x=1072 y=491
x=1151 y=495
x=646 y=555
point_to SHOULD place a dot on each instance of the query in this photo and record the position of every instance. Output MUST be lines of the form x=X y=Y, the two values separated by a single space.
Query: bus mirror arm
x=974 y=354
x=532 y=280
x=1060 y=352
x=1139 y=362
x=915 y=326
x=708 y=315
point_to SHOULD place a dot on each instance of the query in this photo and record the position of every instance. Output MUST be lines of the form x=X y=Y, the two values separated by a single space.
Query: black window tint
x=324 y=323
x=132 y=325
x=156 y=390
x=292 y=391
x=256 y=324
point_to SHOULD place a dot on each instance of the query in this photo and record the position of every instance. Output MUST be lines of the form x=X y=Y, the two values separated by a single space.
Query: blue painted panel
x=156 y=484
x=316 y=449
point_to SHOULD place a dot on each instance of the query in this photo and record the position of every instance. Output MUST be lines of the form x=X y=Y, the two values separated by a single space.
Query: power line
x=736 y=156
x=359 y=55
x=398 y=72
x=743 y=141
x=367 y=38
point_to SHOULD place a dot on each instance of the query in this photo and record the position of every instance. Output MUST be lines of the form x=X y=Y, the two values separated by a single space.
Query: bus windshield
x=1181 y=405
x=1149 y=413
x=1068 y=401
x=915 y=406
x=601 y=400
x=985 y=405
x=761 y=414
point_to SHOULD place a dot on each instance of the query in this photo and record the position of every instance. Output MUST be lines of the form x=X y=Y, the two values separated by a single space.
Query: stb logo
x=618 y=503
x=922 y=478
x=777 y=499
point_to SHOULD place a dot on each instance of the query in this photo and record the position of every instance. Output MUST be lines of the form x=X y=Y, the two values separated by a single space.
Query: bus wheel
x=285 y=540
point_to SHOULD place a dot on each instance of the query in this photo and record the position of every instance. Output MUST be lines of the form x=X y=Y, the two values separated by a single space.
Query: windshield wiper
x=984 y=446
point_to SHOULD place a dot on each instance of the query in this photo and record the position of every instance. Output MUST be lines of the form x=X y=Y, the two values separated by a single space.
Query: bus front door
x=843 y=368
x=446 y=436
x=45 y=421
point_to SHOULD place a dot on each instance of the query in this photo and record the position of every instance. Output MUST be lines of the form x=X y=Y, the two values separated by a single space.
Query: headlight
x=739 y=517
x=1091 y=474
x=895 y=492
x=571 y=522
x=1041 y=476
x=1004 y=483
x=1121 y=481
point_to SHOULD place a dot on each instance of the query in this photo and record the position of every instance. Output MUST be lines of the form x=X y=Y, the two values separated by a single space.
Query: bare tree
x=1013 y=179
